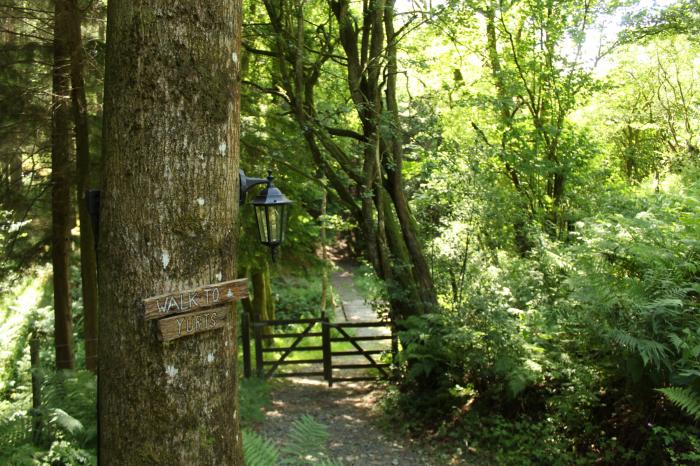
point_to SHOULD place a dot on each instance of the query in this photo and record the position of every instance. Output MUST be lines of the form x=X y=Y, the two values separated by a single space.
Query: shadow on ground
x=349 y=411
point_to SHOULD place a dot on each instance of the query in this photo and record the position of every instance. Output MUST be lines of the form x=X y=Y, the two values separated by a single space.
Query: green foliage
x=307 y=440
x=297 y=296
x=259 y=451
x=573 y=339
x=681 y=444
x=635 y=294
x=62 y=452
x=529 y=441
x=685 y=398
x=305 y=444
x=558 y=205
x=254 y=394
x=67 y=421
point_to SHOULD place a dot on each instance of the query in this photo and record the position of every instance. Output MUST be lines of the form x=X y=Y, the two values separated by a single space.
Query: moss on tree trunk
x=169 y=222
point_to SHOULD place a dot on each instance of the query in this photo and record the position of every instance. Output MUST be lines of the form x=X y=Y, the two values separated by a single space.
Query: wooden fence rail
x=330 y=332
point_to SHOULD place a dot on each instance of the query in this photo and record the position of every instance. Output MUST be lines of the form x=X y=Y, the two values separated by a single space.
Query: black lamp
x=271 y=210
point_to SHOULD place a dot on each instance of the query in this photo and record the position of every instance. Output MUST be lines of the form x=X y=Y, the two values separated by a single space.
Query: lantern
x=271 y=211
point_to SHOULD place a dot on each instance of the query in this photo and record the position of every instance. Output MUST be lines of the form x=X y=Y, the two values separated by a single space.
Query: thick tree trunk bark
x=169 y=222
x=88 y=257
x=60 y=189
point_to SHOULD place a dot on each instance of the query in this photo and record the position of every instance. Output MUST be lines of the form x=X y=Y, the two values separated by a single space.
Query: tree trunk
x=367 y=41
x=269 y=300
x=37 y=380
x=394 y=168
x=60 y=189
x=261 y=306
x=168 y=222
x=324 y=252
x=88 y=259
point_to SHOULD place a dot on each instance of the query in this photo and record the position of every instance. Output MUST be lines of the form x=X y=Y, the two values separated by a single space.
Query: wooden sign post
x=175 y=310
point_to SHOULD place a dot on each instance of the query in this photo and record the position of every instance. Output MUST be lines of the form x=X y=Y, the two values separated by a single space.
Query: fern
x=66 y=422
x=259 y=451
x=15 y=429
x=685 y=398
x=306 y=441
x=305 y=444
x=652 y=352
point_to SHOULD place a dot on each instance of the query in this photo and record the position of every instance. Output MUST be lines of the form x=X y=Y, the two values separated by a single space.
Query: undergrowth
x=582 y=352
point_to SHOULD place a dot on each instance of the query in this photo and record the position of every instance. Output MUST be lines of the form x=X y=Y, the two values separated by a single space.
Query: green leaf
x=685 y=398
x=66 y=422
x=259 y=451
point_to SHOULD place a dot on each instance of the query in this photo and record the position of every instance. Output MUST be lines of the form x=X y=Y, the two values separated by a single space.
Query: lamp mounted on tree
x=271 y=210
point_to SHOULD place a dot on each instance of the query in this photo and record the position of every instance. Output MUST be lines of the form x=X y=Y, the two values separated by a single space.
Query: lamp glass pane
x=275 y=223
x=283 y=223
x=262 y=223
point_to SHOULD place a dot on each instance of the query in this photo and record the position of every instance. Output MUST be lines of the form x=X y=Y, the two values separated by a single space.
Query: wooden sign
x=199 y=298
x=172 y=328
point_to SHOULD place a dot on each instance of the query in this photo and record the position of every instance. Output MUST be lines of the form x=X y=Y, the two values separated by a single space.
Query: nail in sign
x=198 y=298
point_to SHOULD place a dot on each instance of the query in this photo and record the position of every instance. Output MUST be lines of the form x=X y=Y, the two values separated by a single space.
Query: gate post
x=257 y=333
x=327 y=361
x=245 y=340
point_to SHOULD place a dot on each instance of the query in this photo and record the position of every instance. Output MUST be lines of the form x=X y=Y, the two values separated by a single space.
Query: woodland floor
x=349 y=409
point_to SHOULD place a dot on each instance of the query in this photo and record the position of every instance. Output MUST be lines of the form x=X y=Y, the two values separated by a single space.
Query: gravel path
x=349 y=409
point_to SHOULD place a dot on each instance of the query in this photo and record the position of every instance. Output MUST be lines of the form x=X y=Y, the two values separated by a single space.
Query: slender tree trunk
x=60 y=189
x=262 y=308
x=324 y=252
x=420 y=270
x=168 y=222
x=259 y=295
x=269 y=300
x=395 y=253
x=37 y=380
x=88 y=258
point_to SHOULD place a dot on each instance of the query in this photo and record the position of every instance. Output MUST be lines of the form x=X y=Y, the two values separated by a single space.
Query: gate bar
x=291 y=348
x=353 y=341
x=327 y=354
x=300 y=348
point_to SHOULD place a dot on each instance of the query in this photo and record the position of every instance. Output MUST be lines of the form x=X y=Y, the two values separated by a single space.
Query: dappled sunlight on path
x=350 y=412
x=349 y=409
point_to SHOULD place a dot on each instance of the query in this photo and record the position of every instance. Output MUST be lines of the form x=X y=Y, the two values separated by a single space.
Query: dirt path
x=353 y=308
x=349 y=409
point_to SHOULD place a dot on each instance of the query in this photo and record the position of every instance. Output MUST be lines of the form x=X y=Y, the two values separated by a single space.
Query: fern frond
x=66 y=422
x=678 y=342
x=652 y=352
x=259 y=451
x=306 y=441
x=328 y=462
x=14 y=430
x=685 y=398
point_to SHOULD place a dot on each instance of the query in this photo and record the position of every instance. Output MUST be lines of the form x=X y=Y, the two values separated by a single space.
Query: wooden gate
x=332 y=354
x=332 y=366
